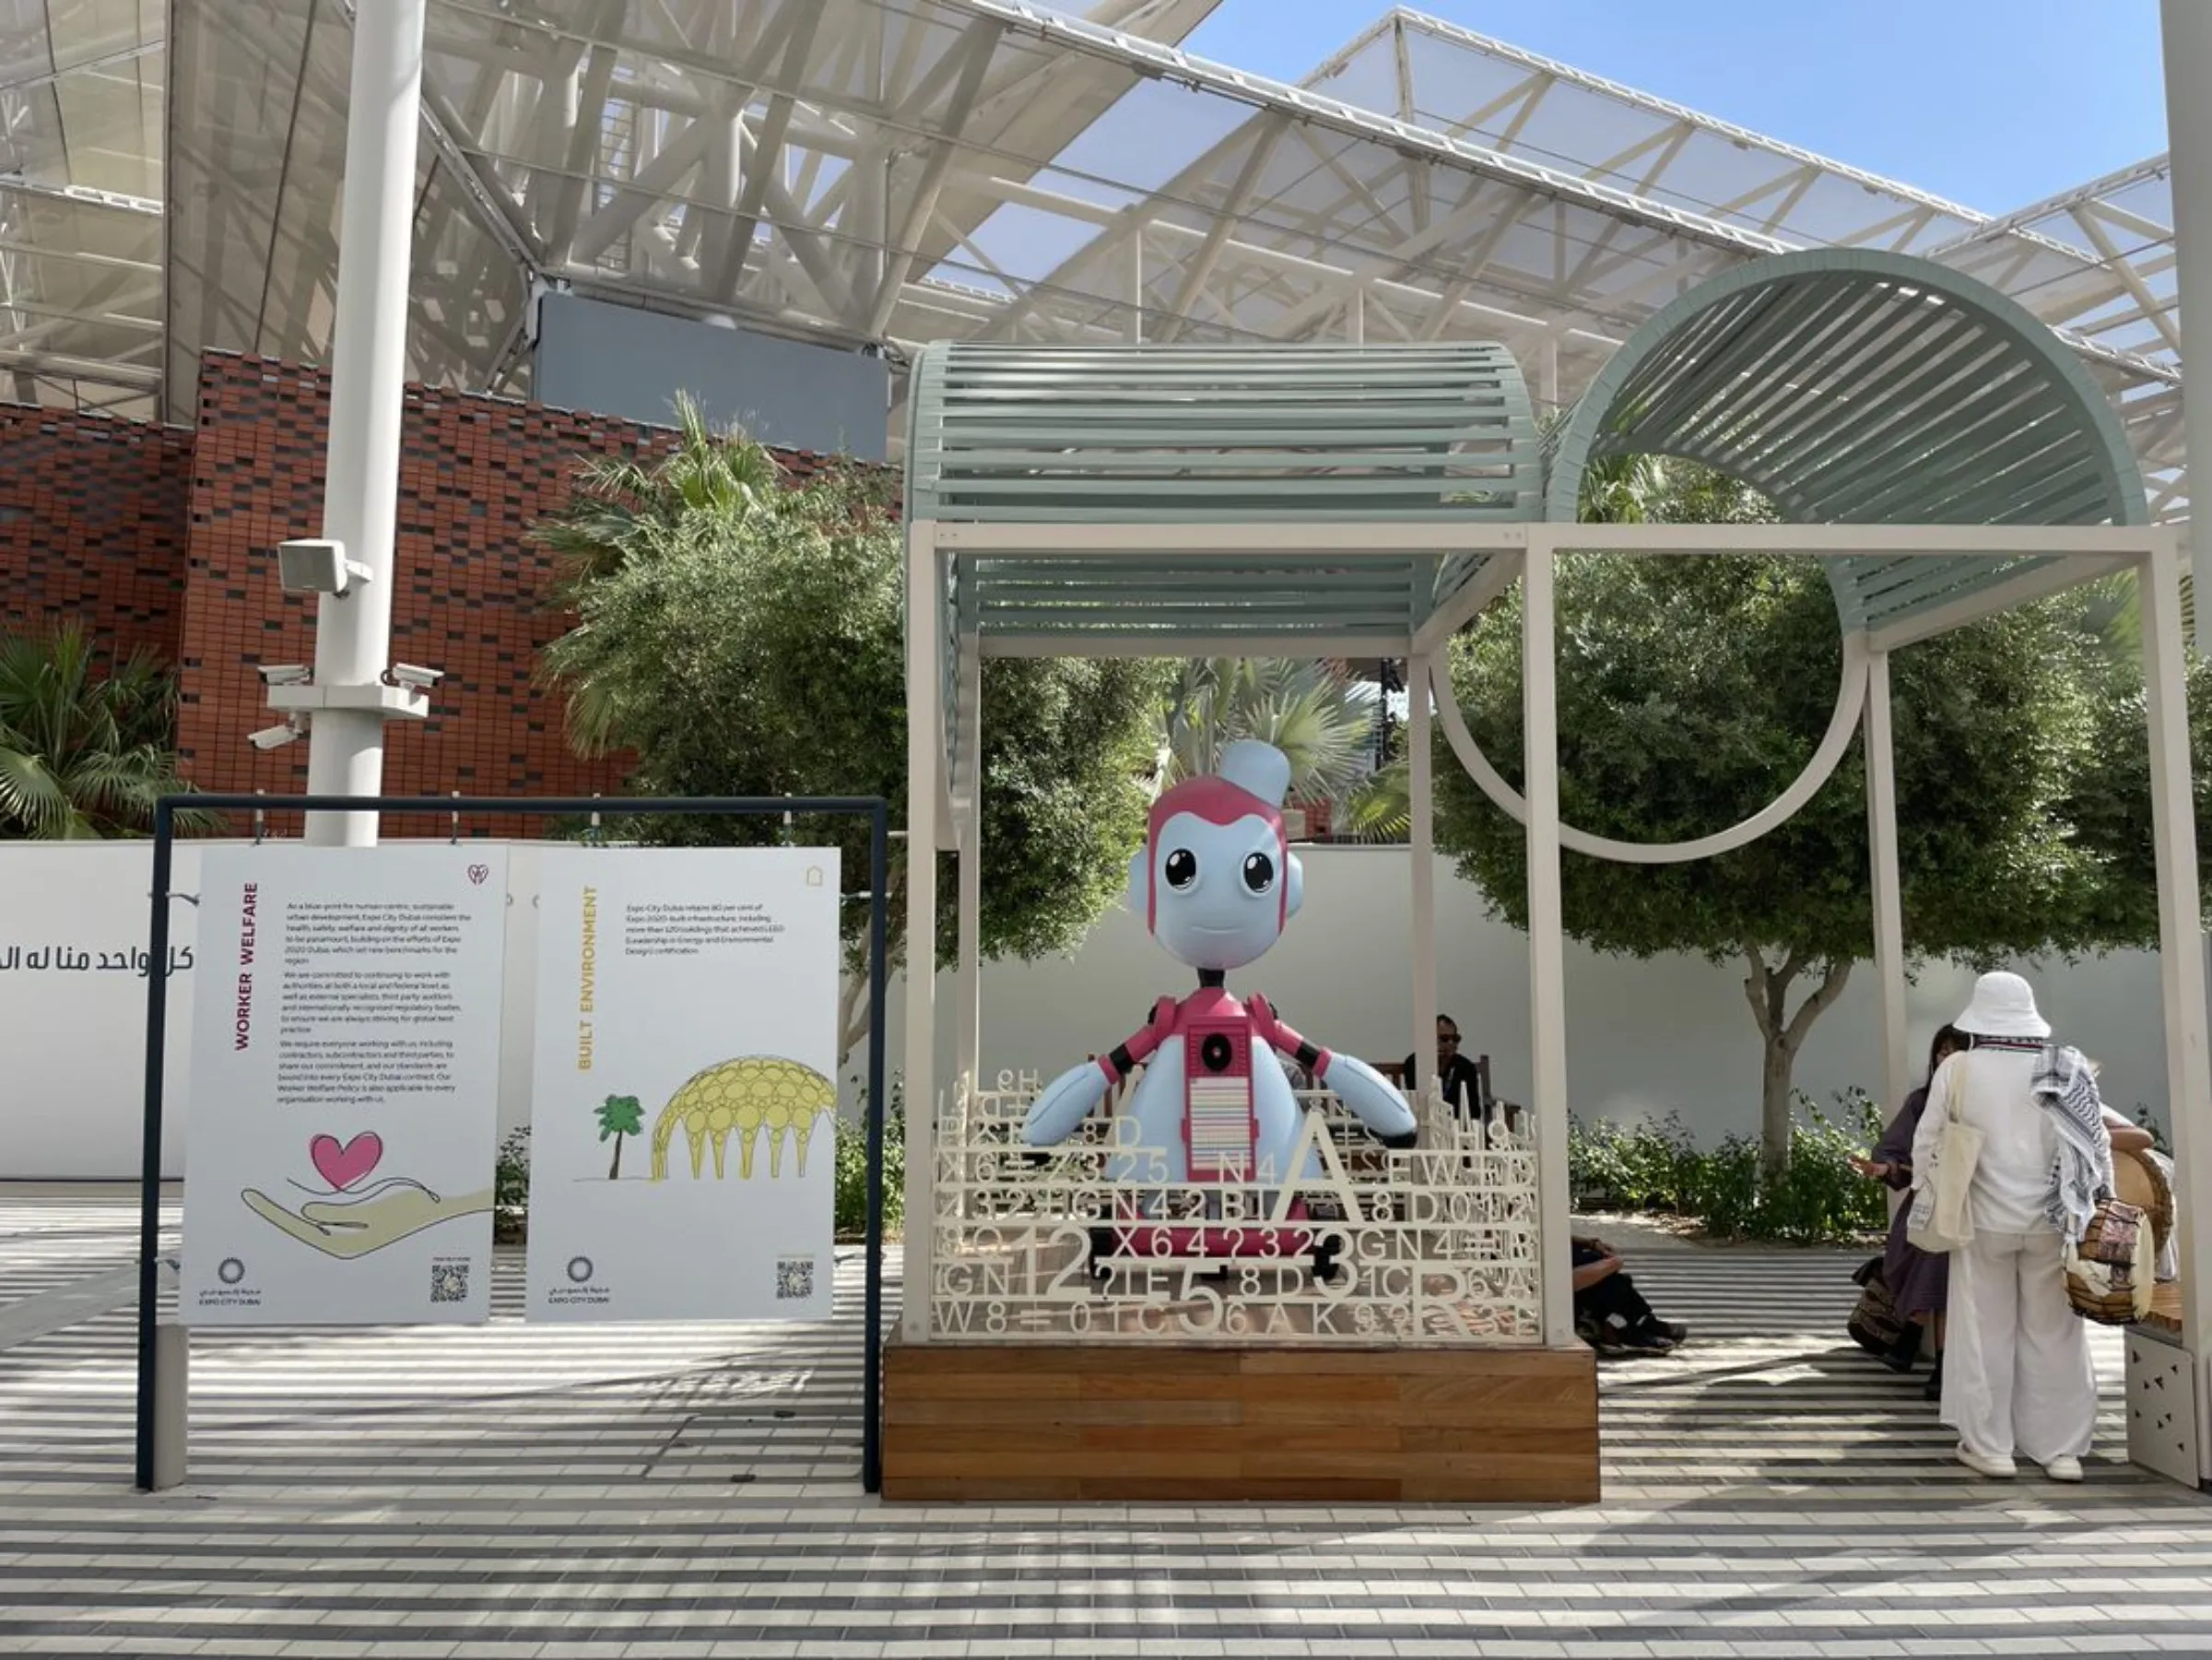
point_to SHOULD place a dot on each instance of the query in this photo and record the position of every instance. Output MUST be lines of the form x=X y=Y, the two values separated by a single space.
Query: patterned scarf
x=2066 y=1089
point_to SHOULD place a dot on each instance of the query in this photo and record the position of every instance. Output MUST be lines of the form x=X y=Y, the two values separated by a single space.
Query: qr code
x=795 y=1279
x=449 y=1282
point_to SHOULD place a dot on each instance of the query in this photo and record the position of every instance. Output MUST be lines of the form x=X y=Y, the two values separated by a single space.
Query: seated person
x=1610 y=1314
x=2129 y=1136
x=1462 y=1079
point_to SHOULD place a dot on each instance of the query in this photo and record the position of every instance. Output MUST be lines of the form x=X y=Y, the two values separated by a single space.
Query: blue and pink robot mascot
x=1217 y=884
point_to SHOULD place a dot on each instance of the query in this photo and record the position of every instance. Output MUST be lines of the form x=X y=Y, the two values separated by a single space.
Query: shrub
x=1820 y=1198
x=1724 y=1193
x=1656 y=1168
x=852 y=1168
x=1647 y=1167
x=510 y=1189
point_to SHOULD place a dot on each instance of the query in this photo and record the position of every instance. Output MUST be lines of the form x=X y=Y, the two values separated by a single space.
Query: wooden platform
x=2165 y=1316
x=1205 y=1424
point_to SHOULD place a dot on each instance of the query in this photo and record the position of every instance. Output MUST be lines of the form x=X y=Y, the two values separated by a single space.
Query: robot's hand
x=1065 y=1103
x=1374 y=1100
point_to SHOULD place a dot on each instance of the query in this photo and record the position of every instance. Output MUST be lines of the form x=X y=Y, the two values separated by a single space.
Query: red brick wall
x=168 y=537
x=476 y=473
x=92 y=527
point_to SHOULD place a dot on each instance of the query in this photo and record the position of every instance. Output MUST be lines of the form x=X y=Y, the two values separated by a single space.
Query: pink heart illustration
x=342 y=1166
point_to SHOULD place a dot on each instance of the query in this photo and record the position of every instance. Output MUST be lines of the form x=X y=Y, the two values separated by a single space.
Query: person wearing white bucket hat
x=2017 y=1369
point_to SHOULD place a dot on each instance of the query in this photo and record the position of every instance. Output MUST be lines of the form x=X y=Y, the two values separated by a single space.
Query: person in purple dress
x=1918 y=1280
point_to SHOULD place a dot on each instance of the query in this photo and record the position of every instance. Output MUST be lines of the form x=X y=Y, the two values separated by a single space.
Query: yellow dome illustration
x=746 y=1095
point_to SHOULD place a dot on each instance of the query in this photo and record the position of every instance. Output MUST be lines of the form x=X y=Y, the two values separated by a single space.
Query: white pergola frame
x=943 y=812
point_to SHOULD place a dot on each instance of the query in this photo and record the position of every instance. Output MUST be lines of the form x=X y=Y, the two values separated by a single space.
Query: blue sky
x=1991 y=103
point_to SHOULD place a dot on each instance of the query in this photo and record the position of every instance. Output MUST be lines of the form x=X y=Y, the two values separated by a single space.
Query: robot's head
x=1215 y=878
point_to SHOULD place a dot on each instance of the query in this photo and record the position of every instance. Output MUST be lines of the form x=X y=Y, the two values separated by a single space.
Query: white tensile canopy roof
x=899 y=171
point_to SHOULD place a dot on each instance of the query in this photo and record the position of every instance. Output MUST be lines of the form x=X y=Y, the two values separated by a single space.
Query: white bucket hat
x=2003 y=1007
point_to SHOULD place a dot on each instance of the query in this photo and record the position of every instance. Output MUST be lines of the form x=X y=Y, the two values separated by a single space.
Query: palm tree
x=83 y=754
x=623 y=508
x=619 y=1115
x=1623 y=489
x=2116 y=612
x=1381 y=809
x=1305 y=709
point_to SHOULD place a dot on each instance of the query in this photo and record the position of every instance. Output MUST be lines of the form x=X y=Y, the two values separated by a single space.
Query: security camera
x=414 y=673
x=273 y=737
x=284 y=674
x=316 y=566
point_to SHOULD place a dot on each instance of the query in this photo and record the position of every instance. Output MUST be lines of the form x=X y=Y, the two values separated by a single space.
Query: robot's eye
x=1259 y=873
x=1182 y=868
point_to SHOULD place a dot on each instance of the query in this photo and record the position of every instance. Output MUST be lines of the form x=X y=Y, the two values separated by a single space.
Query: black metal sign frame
x=872 y=807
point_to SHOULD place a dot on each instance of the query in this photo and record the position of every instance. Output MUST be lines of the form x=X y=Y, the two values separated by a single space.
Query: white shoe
x=2063 y=1469
x=1982 y=1465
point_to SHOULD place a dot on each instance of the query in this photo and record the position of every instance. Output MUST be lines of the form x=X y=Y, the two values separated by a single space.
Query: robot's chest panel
x=1219 y=1124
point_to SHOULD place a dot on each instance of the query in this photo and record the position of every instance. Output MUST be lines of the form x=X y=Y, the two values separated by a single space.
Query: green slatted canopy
x=1850 y=387
x=1167 y=435
x=1170 y=435
x=1863 y=388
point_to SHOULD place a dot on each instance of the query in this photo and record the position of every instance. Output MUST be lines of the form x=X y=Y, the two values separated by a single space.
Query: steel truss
x=889 y=173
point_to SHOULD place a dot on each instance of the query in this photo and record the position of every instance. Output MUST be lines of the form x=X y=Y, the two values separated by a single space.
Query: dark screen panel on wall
x=617 y=360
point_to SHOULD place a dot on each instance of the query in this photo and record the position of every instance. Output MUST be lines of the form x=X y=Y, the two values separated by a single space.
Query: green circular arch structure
x=1858 y=387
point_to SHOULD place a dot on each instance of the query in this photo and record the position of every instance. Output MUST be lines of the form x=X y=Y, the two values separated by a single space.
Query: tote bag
x=1941 y=1219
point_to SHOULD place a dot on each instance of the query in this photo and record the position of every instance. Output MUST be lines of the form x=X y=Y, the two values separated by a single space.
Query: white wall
x=73 y=1044
x=1670 y=1034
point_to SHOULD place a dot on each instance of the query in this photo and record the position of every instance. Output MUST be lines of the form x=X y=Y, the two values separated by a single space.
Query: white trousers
x=2016 y=1374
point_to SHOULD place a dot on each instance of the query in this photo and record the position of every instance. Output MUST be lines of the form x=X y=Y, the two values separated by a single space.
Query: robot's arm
x=1066 y=1102
x=1373 y=1100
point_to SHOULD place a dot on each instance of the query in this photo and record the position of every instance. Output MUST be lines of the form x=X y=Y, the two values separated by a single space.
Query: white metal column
x=2181 y=960
x=1889 y=895
x=368 y=382
x=2186 y=26
x=1547 y=375
x=925 y=746
x=967 y=1041
x=1421 y=832
x=2186 y=35
x=1546 y=938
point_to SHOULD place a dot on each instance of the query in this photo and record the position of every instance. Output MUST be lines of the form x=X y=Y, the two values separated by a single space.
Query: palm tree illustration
x=618 y=1116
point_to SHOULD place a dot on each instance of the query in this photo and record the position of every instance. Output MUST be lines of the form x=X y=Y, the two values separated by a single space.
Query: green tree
x=2109 y=804
x=619 y=1115
x=749 y=642
x=1690 y=692
x=85 y=750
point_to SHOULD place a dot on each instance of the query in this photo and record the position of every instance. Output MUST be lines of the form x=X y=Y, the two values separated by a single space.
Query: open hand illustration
x=353 y=1226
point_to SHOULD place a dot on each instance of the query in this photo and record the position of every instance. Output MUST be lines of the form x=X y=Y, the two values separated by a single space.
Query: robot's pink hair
x=1216 y=801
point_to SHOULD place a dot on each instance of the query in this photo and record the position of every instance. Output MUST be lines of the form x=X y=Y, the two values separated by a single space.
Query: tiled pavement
x=55 y=1236
x=516 y=1490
